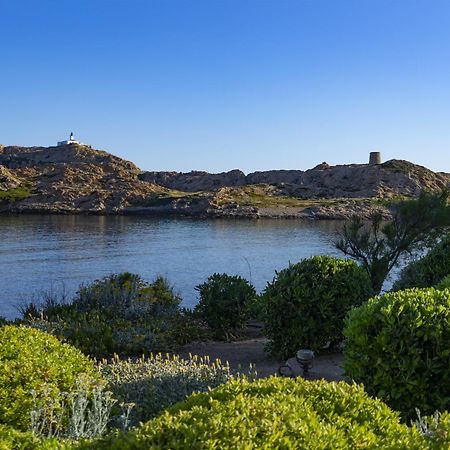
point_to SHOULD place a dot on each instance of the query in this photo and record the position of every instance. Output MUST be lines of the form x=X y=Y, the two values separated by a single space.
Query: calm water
x=39 y=252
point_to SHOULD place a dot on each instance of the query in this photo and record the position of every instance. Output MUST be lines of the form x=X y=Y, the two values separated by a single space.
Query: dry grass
x=267 y=196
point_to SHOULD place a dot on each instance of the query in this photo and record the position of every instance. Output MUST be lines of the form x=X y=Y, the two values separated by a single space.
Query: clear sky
x=216 y=85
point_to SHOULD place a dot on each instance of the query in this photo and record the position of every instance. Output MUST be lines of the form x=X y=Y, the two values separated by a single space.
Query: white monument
x=70 y=141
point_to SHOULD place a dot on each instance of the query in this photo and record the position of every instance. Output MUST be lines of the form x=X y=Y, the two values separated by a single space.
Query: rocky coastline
x=76 y=179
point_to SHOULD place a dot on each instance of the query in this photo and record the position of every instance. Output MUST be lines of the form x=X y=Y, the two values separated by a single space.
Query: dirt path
x=240 y=354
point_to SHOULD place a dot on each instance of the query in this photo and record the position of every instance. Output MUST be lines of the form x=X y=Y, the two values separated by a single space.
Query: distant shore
x=76 y=179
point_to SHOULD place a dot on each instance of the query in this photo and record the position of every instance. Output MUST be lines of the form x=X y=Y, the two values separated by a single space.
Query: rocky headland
x=78 y=179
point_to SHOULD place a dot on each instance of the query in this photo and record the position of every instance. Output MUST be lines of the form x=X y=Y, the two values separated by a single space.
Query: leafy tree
x=378 y=245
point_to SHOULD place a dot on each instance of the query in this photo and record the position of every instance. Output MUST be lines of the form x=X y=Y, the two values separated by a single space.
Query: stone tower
x=375 y=158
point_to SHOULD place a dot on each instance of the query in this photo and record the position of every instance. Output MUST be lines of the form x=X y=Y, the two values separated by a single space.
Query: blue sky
x=216 y=85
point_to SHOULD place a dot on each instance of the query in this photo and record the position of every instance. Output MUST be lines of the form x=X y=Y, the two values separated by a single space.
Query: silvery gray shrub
x=158 y=381
x=83 y=413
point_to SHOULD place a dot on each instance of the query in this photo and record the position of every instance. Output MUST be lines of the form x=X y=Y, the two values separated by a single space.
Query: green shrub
x=306 y=303
x=33 y=360
x=184 y=327
x=12 y=439
x=224 y=303
x=128 y=296
x=156 y=382
x=273 y=413
x=15 y=194
x=119 y=314
x=91 y=332
x=428 y=270
x=398 y=346
x=444 y=283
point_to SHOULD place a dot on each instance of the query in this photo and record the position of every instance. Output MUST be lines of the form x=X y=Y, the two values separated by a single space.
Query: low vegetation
x=398 y=346
x=119 y=314
x=84 y=412
x=444 y=283
x=51 y=389
x=151 y=384
x=32 y=360
x=273 y=413
x=13 y=439
x=255 y=195
x=167 y=196
x=15 y=194
x=268 y=196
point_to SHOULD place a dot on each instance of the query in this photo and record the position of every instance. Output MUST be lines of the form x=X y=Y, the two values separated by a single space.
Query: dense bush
x=128 y=296
x=224 y=303
x=306 y=303
x=12 y=439
x=444 y=283
x=273 y=413
x=32 y=360
x=398 y=346
x=428 y=270
x=156 y=382
x=119 y=314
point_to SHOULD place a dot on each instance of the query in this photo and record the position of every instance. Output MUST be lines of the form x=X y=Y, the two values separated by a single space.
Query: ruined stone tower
x=375 y=158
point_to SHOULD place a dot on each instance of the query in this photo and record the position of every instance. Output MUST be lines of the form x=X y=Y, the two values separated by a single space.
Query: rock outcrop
x=195 y=181
x=78 y=179
x=72 y=179
x=393 y=178
x=8 y=180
